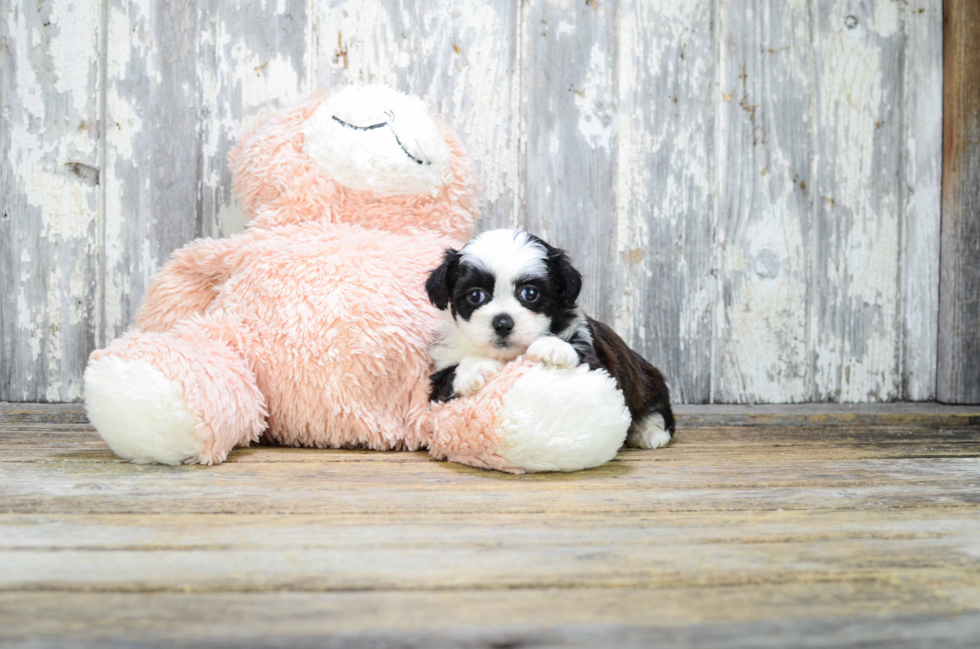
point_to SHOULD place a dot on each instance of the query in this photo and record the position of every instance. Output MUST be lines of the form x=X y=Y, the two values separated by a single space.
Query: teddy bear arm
x=533 y=417
x=187 y=284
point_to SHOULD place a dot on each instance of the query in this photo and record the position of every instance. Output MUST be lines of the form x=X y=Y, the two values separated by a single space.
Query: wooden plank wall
x=751 y=186
x=959 y=323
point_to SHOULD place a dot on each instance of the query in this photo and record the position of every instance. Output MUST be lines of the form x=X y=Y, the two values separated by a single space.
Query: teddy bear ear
x=441 y=281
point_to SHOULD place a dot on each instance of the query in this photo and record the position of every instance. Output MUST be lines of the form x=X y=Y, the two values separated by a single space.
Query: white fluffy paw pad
x=553 y=351
x=650 y=434
x=140 y=413
x=473 y=373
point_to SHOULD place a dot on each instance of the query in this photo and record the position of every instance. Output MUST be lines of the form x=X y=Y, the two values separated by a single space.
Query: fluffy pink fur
x=277 y=183
x=204 y=355
x=312 y=326
x=465 y=431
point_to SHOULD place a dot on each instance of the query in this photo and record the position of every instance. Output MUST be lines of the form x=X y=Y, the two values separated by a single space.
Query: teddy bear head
x=362 y=155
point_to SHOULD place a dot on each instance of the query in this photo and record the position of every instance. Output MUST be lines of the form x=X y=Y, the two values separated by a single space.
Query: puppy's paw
x=553 y=351
x=473 y=373
x=649 y=434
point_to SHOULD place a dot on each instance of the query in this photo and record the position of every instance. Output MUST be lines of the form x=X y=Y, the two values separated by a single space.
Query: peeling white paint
x=923 y=103
x=762 y=352
x=671 y=134
x=597 y=115
x=74 y=48
x=857 y=338
x=49 y=121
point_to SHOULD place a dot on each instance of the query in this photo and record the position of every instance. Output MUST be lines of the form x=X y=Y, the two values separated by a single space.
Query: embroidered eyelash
x=379 y=125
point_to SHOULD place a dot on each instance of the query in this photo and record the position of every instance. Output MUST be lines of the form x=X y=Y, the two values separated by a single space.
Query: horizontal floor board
x=818 y=414
x=779 y=615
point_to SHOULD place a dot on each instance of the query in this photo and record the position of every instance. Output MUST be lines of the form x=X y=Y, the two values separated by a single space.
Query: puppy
x=507 y=293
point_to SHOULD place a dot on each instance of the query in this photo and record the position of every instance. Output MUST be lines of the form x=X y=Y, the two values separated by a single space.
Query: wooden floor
x=758 y=527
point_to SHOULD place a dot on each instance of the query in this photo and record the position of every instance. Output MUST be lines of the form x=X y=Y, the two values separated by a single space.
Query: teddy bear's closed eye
x=382 y=125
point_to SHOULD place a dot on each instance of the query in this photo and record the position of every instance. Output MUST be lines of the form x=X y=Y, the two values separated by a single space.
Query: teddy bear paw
x=472 y=373
x=553 y=351
x=140 y=413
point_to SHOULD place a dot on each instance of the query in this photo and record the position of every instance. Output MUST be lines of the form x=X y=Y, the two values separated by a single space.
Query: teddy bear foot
x=177 y=397
x=532 y=418
x=140 y=413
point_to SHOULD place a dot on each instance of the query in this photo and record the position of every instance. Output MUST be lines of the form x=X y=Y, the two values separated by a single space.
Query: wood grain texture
x=460 y=57
x=738 y=536
x=254 y=58
x=585 y=618
x=923 y=139
x=663 y=291
x=855 y=315
x=959 y=308
x=49 y=198
x=151 y=175
x=765 y=202
x=569 y=101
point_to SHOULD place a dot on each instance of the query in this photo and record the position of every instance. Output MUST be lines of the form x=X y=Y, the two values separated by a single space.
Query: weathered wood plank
x=855 y=316
x=876 y=469
x=400 y=552
x=568 y=81
x=254 y=58
x=152 y=532
x=510 y=565
x=851 y=615
x=49 y=196
x=618 y=102
x=922 y=148
x=661 y=292
x=765 y=202
x=152 y=168
x=460 y=57
x=959 y=310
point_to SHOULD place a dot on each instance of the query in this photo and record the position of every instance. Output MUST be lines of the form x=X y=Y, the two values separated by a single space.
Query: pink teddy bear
x=312 y=326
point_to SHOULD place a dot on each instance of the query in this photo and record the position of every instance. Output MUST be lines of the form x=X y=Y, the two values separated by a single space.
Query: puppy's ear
x=567 y=280
x=441 y=281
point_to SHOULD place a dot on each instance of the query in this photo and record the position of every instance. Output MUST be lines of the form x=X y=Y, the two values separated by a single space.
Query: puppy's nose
x=503 y=324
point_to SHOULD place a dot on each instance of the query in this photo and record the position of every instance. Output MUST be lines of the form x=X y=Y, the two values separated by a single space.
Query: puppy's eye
x=529 y=294
x=476 y=296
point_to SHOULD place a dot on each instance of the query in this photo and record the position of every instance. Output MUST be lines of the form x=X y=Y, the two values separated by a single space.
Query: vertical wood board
x=662 y=293
x=959 y=307
x=765 y=188
x=153 y=158
x=855 y=311
x=922 y=147
x=569 y=91
x=254 y=58
x=49 y=198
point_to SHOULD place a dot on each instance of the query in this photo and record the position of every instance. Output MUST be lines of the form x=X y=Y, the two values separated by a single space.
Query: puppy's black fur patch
x=564 y=285
x=642 y=384
x=441 y=280
x=442 y=384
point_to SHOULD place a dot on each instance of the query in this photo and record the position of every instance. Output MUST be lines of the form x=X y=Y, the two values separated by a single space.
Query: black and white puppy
x=507 y=293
